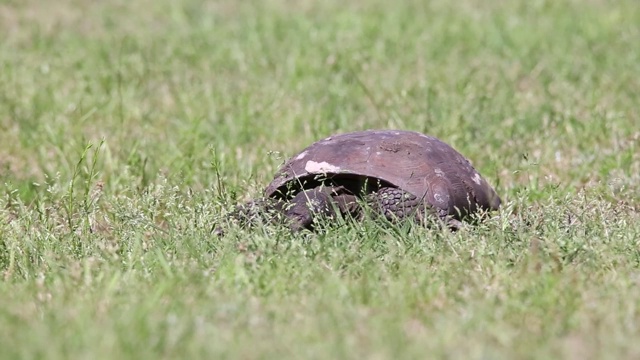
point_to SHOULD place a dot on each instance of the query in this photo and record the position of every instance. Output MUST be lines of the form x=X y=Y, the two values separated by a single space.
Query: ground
x=129 y=130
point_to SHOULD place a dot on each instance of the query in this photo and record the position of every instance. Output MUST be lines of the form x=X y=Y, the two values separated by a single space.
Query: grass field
x=128 y=129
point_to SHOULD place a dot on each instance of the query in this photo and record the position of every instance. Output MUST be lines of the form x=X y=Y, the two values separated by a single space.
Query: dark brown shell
x=417 y=163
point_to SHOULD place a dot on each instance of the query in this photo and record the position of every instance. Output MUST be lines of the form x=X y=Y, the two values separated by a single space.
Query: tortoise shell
x=419 y=164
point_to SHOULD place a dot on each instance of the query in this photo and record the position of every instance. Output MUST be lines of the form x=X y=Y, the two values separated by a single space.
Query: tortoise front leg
x=397 y=204
x=321 y=201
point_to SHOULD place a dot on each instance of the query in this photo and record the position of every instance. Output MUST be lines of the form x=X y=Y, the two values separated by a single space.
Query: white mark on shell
x=439 y=172
x=320 y=167
x=477 y=179
x=301 y=156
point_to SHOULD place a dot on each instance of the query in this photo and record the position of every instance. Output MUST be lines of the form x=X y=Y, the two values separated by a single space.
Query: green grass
x=129 y=129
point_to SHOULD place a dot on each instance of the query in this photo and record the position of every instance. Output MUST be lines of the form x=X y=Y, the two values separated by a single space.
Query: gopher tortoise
x=397 y=174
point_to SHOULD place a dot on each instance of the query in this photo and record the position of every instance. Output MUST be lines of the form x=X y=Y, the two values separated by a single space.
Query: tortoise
x=400 y=174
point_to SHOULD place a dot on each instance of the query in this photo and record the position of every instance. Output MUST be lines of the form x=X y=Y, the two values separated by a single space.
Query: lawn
x=130 y=129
